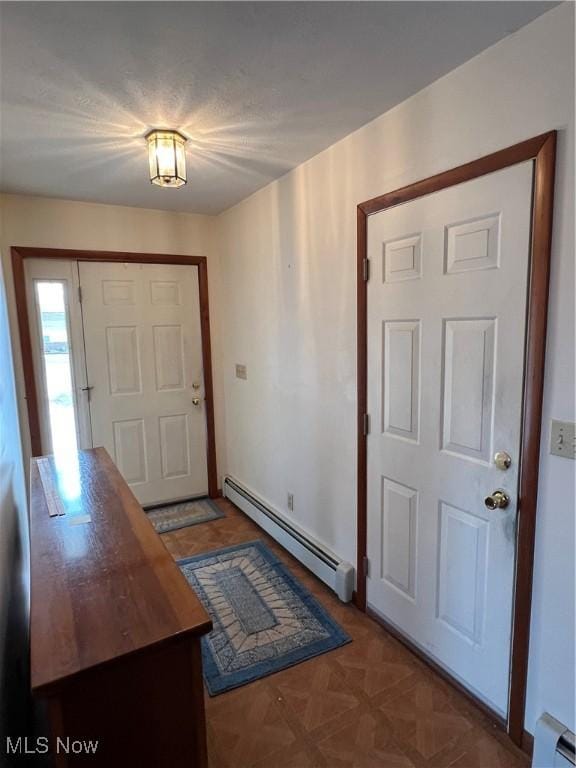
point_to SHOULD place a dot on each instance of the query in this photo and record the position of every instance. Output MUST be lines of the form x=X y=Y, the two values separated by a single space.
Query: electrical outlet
x=563 y=439
x=241 y=372
x=291 y=501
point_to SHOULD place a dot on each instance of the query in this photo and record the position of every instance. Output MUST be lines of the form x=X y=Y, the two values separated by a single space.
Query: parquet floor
x=369 y=704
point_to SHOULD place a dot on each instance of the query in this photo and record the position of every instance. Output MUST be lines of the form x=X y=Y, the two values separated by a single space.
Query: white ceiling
x=258 y=87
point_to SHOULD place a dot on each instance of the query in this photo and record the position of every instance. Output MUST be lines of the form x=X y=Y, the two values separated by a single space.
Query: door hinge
x=366 y=566
x=366 y=424
x=366 y=269
x=80 y=294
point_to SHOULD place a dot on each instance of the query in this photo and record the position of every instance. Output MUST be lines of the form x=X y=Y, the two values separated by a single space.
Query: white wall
x=43 y=222
x=288 y=311
x=13 y=536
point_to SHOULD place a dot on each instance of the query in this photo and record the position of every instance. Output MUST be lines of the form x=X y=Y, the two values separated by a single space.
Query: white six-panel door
x=446 y=332
x=144 y=364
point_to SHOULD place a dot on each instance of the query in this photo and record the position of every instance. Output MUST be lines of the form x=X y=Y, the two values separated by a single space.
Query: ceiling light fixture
x=167 y=158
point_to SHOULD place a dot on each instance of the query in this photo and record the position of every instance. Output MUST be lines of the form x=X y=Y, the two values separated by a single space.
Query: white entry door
x=446 y=332
x=144 y=366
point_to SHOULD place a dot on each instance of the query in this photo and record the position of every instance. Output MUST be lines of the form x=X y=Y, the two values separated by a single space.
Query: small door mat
x=181 y=515
x=264 y=620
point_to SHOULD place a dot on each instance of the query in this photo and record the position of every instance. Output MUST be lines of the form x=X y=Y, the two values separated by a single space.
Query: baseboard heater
x=553 y=744
x=336 y=573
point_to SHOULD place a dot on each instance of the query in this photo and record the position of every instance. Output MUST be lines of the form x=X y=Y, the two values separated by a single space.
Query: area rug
x=173 y=516
x=264 y=620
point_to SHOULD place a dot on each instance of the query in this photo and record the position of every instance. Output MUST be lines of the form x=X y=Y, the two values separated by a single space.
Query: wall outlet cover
x=241 y=372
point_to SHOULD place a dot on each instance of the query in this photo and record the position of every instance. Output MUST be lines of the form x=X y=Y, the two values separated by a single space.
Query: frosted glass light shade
x=167 y=158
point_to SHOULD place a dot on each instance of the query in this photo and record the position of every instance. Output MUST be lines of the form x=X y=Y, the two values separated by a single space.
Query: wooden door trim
x=19 y=254
x=542 y=150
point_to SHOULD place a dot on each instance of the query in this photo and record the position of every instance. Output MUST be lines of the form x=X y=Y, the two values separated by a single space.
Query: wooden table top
x=103 y=585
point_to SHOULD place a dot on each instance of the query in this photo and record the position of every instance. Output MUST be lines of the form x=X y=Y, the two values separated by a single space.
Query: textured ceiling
x=258 y=87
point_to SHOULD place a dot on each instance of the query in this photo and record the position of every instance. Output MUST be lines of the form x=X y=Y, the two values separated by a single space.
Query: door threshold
x=160 y=504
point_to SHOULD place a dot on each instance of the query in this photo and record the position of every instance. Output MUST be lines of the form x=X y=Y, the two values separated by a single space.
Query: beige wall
x=288 y=276
x=42 y=222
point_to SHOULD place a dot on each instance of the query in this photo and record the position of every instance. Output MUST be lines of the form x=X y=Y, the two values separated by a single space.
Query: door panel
x=123 y=359
x=468 y=397
x=169 y=357
x=446 y=332
x=130 y=450
x=174 y=432
x=462 y=563
x=144 y=364
x=401 y=386
x=398 y=536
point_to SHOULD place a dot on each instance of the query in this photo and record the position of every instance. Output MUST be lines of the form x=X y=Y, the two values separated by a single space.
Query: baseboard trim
x=335 y=572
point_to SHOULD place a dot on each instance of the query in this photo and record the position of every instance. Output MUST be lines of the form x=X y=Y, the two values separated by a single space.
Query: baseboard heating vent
x=336 y=573
x=553 y=744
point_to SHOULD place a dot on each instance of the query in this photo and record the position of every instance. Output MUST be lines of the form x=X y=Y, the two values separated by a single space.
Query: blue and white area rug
x=171 y=517
x=264 y=620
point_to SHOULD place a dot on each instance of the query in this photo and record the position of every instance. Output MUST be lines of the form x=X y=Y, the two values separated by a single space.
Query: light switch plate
x=241 y=371
x=563 y=439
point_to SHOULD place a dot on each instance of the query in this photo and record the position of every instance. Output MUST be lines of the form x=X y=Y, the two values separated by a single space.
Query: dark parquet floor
x=369 y=704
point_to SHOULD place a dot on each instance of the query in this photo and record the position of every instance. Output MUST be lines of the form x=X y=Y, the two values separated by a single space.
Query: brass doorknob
x=497 y=500
x=195 y=401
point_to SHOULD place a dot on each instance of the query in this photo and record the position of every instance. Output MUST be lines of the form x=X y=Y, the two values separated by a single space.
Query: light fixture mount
x=167 y=157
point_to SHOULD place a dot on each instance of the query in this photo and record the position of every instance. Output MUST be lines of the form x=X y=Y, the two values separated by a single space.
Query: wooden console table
x=115 y=627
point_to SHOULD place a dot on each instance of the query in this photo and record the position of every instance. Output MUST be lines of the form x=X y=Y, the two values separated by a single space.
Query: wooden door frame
x=542 y=150
x=19 y=255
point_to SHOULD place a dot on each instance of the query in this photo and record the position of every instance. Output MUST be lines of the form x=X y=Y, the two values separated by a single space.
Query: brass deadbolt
x=502 y=460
